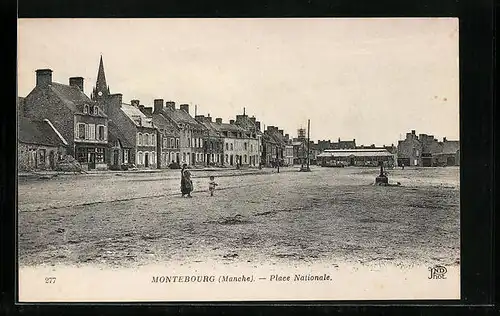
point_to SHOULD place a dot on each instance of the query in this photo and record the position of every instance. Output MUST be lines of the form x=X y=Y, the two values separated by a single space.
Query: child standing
x=212 y=185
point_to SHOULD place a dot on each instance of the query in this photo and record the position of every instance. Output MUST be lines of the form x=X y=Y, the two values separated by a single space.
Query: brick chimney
x=231 y=121
x=170 y=105
x=117 y=99
x=218 y=120
x=184 y=107
x=43 y=77
x=199 y=117
x=76 y=82
x=444 y=139
x=257 y=124
x=253 y=119
x=281 y=132
x=135 y=103
x=158 y=105
x=413 y=131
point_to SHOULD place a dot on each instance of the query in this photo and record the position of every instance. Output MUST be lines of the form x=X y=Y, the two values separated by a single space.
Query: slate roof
x=451 y=146
x=115 y=134
x=73 y=97
x=160 y=121
x=20 y=106
x=355 y=152
x=139 y=118
x=182 y=117
x=37 y=133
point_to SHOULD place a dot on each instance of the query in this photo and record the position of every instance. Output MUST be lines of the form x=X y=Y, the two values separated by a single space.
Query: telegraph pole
x=308 y=141
x=277 y=157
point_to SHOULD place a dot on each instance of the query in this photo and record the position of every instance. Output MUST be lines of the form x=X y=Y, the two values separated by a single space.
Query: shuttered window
x=81 y=131
x=91 y=131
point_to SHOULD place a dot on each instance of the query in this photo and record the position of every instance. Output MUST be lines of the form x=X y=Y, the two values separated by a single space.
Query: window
x=231 y=146
x=245 y=158
x=245 y=145
x=100 y=134
x=99 y=157
x=92 y=131
x=201 y=143
x=139 y=158
x=146 y=139
x=172 y=144
x=96 y=110
x=86 y=109
x=41 y=157
x=227 y=158
x=176 y=143
x=152 y=157
x=139 y=139
x=125 y=156
x=81 y=131
x=227 y=147
x=251 y=147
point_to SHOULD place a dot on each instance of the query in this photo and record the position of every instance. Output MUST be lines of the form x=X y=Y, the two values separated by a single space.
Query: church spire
x=101 y=88
x=101 y=77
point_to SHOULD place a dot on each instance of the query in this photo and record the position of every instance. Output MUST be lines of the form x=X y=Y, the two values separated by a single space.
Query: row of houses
x=103 y=131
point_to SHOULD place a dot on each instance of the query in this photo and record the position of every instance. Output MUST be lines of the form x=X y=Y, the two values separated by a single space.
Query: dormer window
x=86 y=108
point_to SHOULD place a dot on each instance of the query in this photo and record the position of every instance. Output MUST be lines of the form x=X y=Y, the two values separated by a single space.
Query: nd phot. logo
x=437 y=272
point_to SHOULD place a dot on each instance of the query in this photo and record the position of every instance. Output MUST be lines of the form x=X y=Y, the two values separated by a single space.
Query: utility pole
x=277 y=158
x=308 y=142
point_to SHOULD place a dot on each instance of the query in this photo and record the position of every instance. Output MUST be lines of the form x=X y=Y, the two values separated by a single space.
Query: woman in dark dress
x=184 y=188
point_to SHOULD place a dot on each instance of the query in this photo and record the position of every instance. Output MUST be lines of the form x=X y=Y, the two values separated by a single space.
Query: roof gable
x=37 y=132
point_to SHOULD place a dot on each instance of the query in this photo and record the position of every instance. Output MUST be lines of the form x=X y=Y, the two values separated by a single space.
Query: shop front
x=91 y=156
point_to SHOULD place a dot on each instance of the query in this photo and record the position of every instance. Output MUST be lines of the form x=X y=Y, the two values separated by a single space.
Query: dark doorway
x=116 y=156
x=146 y=160
x=91 y=160
x=52 y=161
x=231 y=160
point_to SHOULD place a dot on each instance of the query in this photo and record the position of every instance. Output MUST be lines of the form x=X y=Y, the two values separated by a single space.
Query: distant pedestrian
x=212 y=185
x=184 y=189
x=188 y=183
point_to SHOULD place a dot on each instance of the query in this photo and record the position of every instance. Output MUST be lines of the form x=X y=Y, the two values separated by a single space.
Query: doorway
x=91 y=160
x=116 y=156
x=146 y=160
x=193 y=158
x=52 y=160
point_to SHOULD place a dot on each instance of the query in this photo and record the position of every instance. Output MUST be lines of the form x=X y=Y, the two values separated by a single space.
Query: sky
x=372 y=80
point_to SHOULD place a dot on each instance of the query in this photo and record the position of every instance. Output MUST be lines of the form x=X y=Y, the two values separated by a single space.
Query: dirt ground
x=327 y=215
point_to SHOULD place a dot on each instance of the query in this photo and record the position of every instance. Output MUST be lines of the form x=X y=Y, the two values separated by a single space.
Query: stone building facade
x=40 y=145
x=426 y=151
x=81 y=121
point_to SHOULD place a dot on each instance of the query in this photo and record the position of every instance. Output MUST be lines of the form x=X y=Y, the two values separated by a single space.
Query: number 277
x=50 y=280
